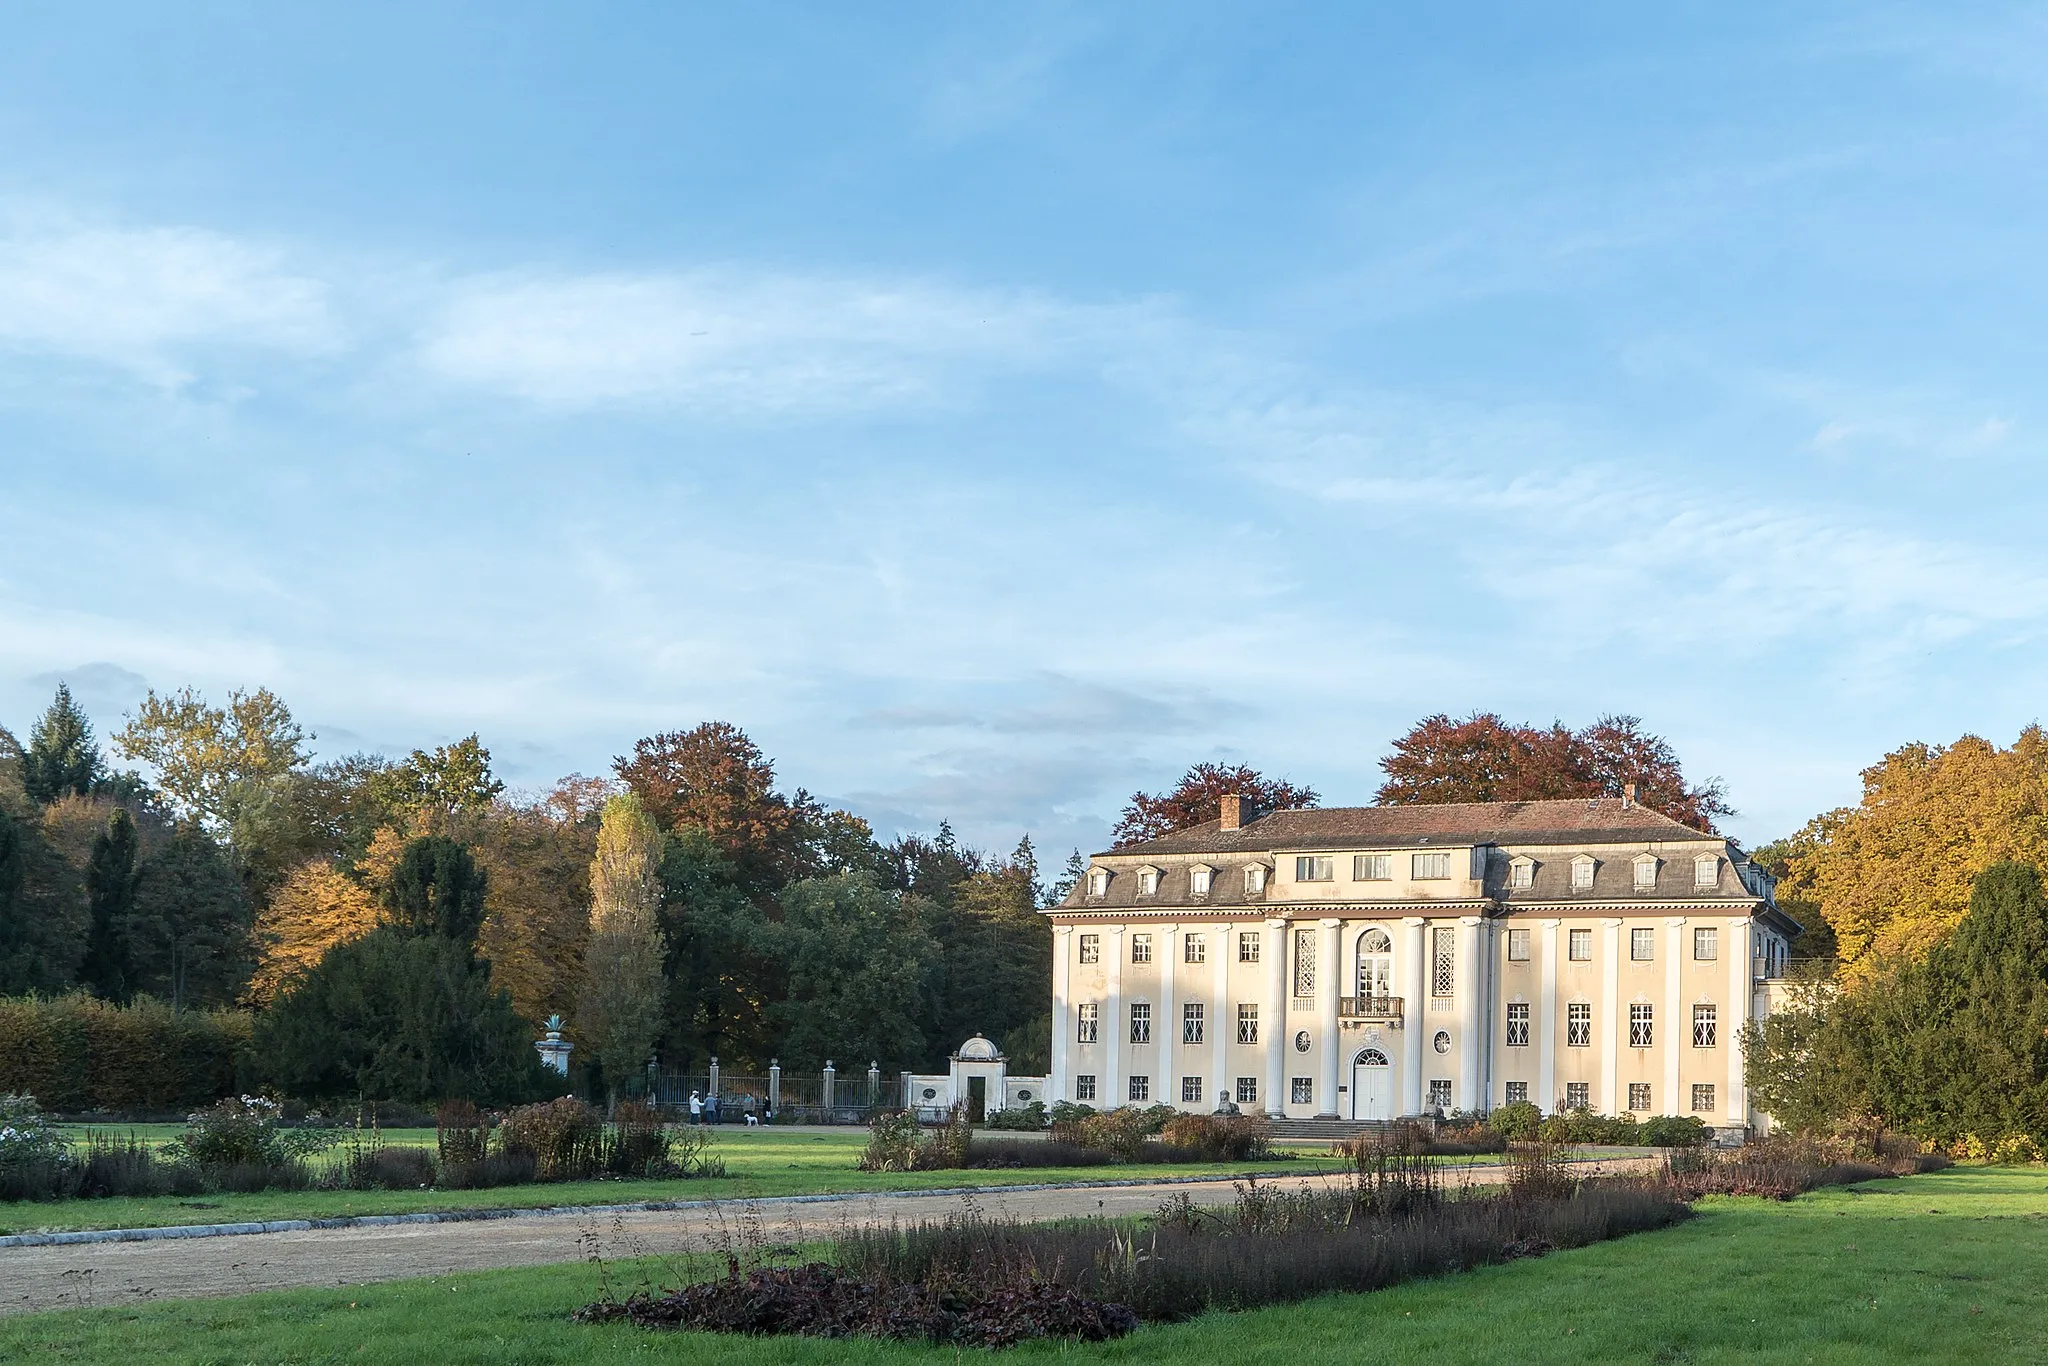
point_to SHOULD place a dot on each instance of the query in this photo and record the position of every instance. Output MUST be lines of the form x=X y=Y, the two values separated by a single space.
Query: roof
x=1577 y=820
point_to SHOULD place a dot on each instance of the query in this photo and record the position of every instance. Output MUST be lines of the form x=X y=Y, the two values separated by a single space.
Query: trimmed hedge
x=79 y=1053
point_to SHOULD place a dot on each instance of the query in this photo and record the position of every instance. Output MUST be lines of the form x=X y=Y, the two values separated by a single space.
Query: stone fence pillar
x=713 y=1088
x=774 y=1085
x=826 y=1097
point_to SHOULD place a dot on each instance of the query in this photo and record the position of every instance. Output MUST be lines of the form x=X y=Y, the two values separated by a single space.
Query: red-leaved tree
x=1198 y=797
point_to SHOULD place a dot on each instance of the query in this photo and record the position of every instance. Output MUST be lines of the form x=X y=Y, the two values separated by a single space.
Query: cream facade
x=1376 y=962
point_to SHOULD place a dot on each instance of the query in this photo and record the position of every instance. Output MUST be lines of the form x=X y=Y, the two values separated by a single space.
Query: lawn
x=759 y=1162
x=1940 y=1267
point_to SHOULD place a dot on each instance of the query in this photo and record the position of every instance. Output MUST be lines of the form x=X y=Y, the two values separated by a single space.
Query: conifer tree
x=110 y=876
x=620 y=1012
x=62 y=756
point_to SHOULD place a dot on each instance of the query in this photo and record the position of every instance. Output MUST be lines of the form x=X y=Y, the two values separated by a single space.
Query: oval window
x=1023 y=1095
x=1442 y=1042
x=930 y=1094
x=1301 y=1042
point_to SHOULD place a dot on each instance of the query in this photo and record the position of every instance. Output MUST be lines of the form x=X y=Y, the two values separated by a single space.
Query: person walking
x=751 y=1109
x=696 y=1108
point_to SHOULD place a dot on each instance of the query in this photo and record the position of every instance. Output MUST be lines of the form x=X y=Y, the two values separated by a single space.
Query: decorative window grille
x=1088 y=1022
x=1194 y=949
x=1314 y=868
x=1518 y=1024
x=1247 y=946
x=1703 y=1098
x=1639 y=1097
x=1372 y=867
x=1304 y=963
x=1091 y=948
x=1247 y=1090
x=1141 y=1023
x=1084 y=1086
x=1578 y=1025
x=1141 y=1089
x=1518 y=946
x=1642 y=945
x=1578 y=1095
x=1646 y=874
x=1518 y=1093
x=1706 y=943
x=1198 y=881
x=1141 y=948
x=1706 y=1026
x=1580 y=944
x=1190 y=1089
x=1706 y=871
x=1443 y=962
x=1641 y=1022
x=1582 y=875
x=1301 y=1090
x=1248 y=1024
x=1439 y=1094
x=1191 y=1024
x=1429 y=867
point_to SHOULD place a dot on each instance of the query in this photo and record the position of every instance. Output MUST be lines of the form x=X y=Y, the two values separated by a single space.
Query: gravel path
x=115 y=1274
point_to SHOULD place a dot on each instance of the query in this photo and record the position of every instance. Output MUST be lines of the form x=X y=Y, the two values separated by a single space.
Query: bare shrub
x=1220 y=1138
x=564 y=1137
x=461 y=1134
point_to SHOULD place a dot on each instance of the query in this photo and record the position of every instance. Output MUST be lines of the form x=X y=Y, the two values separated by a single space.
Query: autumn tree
x=62 y=756
x=619 y=1013
x=1198 y=797
x=427 y=788
x=315 y=909
x=1485 y=759
x=537 y=911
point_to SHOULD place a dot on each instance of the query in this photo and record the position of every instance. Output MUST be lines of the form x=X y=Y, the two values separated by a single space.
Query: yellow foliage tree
x=1892 y=874
x=619 y=1014
x=314 y=909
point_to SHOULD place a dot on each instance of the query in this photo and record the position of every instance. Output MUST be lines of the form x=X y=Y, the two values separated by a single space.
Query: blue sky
x=995 y=411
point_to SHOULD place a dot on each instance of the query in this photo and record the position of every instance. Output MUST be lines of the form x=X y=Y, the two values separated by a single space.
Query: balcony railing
x=1369 y=1007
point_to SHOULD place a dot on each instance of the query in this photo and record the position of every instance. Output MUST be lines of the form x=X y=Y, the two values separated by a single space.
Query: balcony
x=1382 y=1008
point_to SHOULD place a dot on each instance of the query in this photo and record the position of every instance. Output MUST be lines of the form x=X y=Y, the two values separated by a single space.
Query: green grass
x=1942 y=1267
x=759 y=1162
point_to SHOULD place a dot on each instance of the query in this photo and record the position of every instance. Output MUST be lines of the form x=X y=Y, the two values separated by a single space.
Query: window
x=1302 y=1041
x=1582 y=874
x=1304 y=962
x=1248 y=1024
x=1522 y=873
x=1375 y=964
x=1141 y=1088
x=1518 y=946
x=1198 y=881
x=1247 y=1090
x=1141 y=948
x=1301 y=1090
x=1518 y=1024
x=1141 y=1023
x=1706 y=872
x=1091 y=948
x=1372 y=867
x=1255 y=879
x=1442 y=1042
x=1098 y=882
x=1191 y=1024
x=1518 y=1093
x=1148 y=882
x=1706 y=944
x=1190 y=1090
x=1646 y=874
x=1642 y=945
x=1580 y=946
x=1247 y=946
x=1194 y=949
x=1443 y=961
x=1084 y=1087
x=1314 y=868
x=1578 y=1095
x=1706 y=1025
x=1639 y=1097
x=1439 y=1094
x=1088 y=1019
x=1641 y=1025
x=1578 y=1025
x=1429 y=867
x=1703 y=1098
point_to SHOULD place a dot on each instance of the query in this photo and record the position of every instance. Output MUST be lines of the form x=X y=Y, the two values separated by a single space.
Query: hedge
x=79 y=1053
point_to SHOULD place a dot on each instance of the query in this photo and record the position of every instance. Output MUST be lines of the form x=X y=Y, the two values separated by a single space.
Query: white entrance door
x=1372 y=1086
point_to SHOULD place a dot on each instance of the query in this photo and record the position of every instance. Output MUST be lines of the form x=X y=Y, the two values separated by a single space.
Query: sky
x=995 y=410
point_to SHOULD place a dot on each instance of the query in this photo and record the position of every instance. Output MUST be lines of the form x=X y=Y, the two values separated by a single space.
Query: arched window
x=1371 y=1057
x=1375 y=964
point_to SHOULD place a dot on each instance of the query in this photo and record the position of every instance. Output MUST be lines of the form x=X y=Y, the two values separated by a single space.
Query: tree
x=725 y=966
x=857 y=963
x=1198 y=797
x=315 y=909
x=42 y=907
x=620 y=1011
x=1485 y=759
x=992 y=970
x=14 y=938
x=1069 y=878
x=437 y=889
x=189 y=939
x=110 y=880
x=426 y=789
x=62 y=757
x=537 y=910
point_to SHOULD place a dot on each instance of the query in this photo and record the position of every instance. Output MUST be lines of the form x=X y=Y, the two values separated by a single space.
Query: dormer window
x=1198 y=879
x=1646 y=873
x=1098 y=882
x=1706 y=871
x=1522 y=872
x=1148 y=882
x=1255 y=879
x=1582 y=873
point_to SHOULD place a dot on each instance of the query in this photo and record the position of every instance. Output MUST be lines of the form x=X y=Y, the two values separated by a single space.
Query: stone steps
x=1327 y=1129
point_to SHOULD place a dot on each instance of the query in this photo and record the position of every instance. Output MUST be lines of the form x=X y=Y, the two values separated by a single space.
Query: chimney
x=1628 y=794
x=1233 y=812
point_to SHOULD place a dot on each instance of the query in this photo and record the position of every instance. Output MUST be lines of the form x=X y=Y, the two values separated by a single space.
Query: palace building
x=1374 y=962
